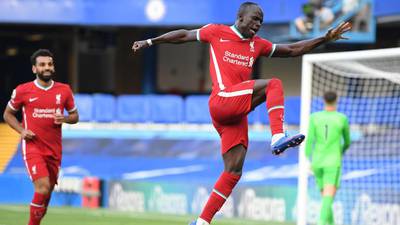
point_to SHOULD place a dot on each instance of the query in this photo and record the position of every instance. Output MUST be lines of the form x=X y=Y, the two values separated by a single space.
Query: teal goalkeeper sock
x=326 y=213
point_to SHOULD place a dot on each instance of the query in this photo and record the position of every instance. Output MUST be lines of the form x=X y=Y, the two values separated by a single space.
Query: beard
x=47 y=77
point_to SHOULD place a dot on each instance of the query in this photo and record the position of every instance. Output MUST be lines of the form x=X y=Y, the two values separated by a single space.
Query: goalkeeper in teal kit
x=327 y=140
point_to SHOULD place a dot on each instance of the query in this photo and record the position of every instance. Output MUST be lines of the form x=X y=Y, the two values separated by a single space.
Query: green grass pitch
x=17 y=215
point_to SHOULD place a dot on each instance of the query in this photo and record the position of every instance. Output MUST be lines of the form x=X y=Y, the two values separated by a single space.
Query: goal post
x=368 y=86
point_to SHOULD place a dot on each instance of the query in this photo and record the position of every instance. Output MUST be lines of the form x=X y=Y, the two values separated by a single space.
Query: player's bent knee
x=329 y=190
x=45 y=190
x=42 y=187
x=235 y=168
x=234 y=172
x=275 y=82
x=260 y=86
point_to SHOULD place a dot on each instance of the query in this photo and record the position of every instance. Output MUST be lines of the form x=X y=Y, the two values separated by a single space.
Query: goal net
x=368 y=86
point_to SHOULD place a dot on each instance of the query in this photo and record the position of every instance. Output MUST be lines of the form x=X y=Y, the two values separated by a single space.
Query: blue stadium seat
x=345 y=106
x=166 y=108
x=84 y=103
x=261 y=114
x=383 y=111
x=196 y=109
x=133 y=108
x=254 y=116
x=104 y=107
x=387 y=111
x=357 y=109
x=365 y=110
x=317 y=104
x=292 y=110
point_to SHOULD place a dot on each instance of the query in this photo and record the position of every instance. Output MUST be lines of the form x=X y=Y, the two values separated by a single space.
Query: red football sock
x=46 y=203
x=275 y=105
x=37 y=208
x=222 y=189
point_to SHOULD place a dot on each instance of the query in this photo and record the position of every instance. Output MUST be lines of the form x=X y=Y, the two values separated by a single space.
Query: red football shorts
x=39 y=166
x=229 y=109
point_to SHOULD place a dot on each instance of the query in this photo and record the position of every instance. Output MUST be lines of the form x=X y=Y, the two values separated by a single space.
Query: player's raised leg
x=271 y=91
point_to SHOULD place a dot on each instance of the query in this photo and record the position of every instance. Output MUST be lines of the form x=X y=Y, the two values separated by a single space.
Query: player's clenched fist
x=59 y=118
x=27 y=135
x=137 y=45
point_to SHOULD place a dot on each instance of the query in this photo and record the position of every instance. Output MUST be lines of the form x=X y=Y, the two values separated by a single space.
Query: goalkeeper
x=327 y=140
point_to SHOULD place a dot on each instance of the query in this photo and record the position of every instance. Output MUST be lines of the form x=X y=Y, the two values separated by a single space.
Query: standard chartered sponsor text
x=236 y=56
x=237 y=59
x=43 y=113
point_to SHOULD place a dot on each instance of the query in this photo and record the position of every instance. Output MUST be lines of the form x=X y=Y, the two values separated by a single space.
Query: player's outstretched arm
x=11 y=120
x=174 y=37
x=302 y=47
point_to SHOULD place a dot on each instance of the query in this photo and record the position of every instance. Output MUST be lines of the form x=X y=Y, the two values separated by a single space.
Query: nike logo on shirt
x=223 y=40
x=33 y=99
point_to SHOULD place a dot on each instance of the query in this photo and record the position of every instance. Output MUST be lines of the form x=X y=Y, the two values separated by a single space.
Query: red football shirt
x=38 y=107
x=231 y=55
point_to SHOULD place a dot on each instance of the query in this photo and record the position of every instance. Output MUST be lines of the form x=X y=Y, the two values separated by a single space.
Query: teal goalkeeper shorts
x=327 y=176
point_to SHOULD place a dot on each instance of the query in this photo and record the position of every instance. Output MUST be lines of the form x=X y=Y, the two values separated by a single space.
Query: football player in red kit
x=233 y=51
x=43 y=102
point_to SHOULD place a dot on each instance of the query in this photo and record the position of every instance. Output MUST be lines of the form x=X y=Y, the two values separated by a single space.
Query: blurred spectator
x=349 y=6
x=311 y=10
x=361 y=19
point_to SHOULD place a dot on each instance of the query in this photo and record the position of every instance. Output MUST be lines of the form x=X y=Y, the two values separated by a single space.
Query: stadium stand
x=84 y=102
x=254 y=116
x=259 y=115
x=104 y=107
x=133 y=108
x=363 y=106
x=167 y=109
x=386 y=107
x=342 y=13
x=172 y=109
x=292 y=110
x=196 y=109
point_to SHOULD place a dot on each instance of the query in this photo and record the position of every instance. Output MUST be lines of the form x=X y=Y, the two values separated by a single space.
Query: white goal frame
x=306 y=91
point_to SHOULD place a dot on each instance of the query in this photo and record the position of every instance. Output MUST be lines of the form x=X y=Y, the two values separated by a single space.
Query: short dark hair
x=330 y=97
x=243 y=7
x=40 y=52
